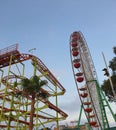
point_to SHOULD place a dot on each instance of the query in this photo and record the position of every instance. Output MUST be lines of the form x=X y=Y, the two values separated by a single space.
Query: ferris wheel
x=86 y=82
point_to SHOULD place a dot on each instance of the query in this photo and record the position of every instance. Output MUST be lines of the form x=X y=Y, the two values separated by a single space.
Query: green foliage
x=114 y=49
x=112 y=64
x=34 y=85
x=43 y=95
x=18 y=94
x=106 y=87
x=15 y=84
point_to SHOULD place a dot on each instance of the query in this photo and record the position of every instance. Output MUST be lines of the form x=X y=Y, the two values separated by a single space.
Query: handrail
x=9 y=49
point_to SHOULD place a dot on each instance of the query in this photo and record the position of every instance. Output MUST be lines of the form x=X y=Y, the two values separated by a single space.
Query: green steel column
x=80 y=116
x=10 y=113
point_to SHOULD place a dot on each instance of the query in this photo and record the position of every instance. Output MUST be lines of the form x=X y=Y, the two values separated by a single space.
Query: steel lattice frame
x=14 y=110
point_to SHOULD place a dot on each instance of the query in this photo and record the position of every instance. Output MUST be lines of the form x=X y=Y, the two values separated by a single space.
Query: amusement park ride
x=93 y=101
x=21 y=111
x=16 y=107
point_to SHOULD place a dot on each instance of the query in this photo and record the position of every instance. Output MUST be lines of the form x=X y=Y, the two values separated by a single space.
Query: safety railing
x=9 y=49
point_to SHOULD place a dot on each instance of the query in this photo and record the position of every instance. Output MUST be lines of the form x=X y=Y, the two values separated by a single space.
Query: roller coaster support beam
x=1 y=76
x=9 y=120
x=57 y=123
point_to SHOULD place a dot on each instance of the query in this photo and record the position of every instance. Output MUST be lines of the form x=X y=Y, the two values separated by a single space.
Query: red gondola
x=75 y=53
x=80 y=79
x=77 y=65
x=84 y=95
x=75 y=36
x=93 y=123
x=74 y=44
x=88 y=110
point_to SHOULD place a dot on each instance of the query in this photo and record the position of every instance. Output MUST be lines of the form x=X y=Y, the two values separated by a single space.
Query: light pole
x=108 y=74
x=31 y=50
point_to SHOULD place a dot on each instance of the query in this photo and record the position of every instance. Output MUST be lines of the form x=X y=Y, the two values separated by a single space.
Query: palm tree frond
x=43 y=82
x=34 y=84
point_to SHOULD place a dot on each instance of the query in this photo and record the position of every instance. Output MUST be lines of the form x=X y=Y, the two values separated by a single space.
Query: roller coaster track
x=13 y=56
x=18 y=58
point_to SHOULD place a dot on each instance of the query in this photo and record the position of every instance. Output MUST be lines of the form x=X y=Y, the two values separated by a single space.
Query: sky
x=47 y=25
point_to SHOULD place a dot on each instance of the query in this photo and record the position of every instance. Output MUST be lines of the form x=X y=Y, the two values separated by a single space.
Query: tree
x=33 y=87
x=106 y=87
